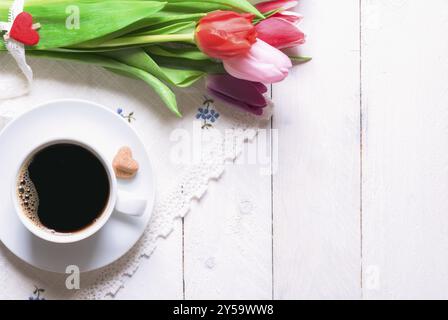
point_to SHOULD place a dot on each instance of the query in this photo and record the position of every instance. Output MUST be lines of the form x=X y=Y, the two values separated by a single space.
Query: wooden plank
x=317 y=236
x=228 y=239
x=228 y=235
x=161 y=276
x=405 y=99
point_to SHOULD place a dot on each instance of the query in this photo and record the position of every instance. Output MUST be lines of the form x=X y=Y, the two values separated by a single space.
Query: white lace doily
x=177 y=182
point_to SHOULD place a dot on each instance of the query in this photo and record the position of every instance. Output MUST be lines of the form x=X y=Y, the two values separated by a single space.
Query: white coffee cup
x=119 y=201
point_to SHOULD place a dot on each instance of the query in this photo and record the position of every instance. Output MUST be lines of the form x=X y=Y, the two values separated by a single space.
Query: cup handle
x=129 y=204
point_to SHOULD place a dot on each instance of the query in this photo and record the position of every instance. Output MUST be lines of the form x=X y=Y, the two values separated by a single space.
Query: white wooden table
x=358 y=207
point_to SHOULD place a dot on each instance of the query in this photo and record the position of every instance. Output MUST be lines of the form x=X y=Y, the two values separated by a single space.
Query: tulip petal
x=252 y=70
x=223 y=34
x=260 y=87
x=252 y=109
x=267 y=6
x=264 y=52
x=263 y=64
x=245 y=91
x=290 y=16
x=280 y=33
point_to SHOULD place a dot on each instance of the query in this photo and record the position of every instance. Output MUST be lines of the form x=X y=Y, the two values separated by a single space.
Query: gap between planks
x=361 y=145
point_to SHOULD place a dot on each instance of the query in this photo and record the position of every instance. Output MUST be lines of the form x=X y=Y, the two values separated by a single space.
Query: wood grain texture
x=357 y=207
x=317 y=236
x=161 y=276
x=228 y=239
x=228 y=235
x=405 y=100
x=322 y=214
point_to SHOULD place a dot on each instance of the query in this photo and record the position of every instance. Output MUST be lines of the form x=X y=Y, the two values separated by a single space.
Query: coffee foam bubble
x=27 y=196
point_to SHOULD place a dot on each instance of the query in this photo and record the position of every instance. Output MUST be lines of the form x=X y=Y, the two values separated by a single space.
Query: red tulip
x=224 y=34
x=280 y=33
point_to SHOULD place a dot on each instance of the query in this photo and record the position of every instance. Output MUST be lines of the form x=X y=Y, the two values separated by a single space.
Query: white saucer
x=108 y=132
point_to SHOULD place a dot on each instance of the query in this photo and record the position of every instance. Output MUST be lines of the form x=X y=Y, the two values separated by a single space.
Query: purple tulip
x=245 y=94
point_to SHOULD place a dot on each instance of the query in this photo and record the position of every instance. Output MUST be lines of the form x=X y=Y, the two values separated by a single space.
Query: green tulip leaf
x=207 y=66
x=241 y=5
x=300 y=59
x=184 y=27
x=192 y=53
x=96 y=18
x=140 y=59
x=162 y=89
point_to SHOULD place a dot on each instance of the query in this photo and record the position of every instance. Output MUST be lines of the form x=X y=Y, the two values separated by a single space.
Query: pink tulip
x=280 y=33
x=267 y=6
x=280 y=30
x=290 y=16
x=282 y=6
x=263 y=63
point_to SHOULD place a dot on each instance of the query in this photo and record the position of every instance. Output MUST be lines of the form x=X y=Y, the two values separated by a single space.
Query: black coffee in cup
x=63 y=187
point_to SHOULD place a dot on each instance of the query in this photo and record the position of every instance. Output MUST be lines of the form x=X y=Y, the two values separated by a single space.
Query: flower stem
x=129 y=41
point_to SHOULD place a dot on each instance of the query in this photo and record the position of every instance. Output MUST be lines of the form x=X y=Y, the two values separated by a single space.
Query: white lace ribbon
x=16 y=49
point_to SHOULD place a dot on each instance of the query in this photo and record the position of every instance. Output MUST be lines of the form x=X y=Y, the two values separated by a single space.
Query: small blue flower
x=130 y=117
x=213 y=116
x=207 y=114
x=202 y=114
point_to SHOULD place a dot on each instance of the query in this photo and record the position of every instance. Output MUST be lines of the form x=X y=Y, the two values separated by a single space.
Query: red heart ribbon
x=23 y=30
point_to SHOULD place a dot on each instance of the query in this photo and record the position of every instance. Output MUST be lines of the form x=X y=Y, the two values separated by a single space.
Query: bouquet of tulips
x=171 y=43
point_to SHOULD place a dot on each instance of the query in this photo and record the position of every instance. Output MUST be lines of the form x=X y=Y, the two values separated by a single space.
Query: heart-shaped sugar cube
x=125 y=166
